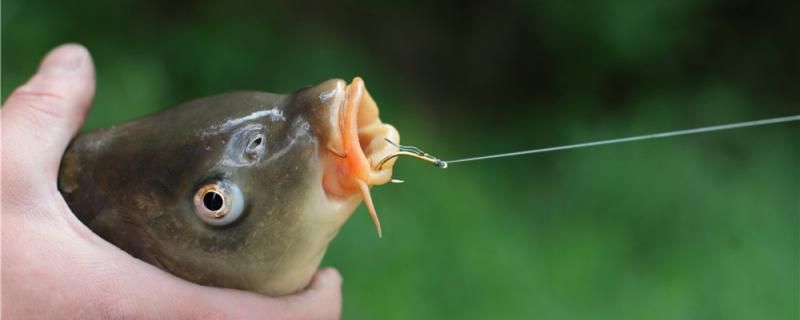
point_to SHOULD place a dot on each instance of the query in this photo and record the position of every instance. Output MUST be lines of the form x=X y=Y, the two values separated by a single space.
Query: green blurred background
x=696 y=227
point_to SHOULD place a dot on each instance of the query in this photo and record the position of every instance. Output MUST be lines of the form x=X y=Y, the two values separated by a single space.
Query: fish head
x=242 y=190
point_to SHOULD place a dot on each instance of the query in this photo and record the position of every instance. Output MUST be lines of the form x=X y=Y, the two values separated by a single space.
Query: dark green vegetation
x=698 y=227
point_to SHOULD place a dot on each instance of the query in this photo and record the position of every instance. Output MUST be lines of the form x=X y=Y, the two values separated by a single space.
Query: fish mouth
x=358 y=141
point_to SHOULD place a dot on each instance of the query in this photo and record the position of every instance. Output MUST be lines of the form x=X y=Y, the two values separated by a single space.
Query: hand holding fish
x=53 y=266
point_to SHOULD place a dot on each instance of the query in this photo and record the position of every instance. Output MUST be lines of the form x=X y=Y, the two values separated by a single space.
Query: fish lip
x=358 y=141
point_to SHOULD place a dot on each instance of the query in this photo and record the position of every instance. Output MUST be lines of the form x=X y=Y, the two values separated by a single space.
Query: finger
x=156 y=293
x=41 y=116
x=322 y=299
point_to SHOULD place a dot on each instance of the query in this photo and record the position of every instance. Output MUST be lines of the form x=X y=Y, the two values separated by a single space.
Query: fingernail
x=64 y=59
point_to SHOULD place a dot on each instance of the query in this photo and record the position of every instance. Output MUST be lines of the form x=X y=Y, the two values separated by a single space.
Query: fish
x=241 y=190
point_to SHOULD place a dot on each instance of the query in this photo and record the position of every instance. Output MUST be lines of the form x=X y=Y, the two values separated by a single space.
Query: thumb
x=42 y=116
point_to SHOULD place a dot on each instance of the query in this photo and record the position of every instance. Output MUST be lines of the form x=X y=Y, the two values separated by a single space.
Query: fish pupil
x=212 y=201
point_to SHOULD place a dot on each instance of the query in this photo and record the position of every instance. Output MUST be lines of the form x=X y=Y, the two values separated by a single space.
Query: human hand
x=53 y=266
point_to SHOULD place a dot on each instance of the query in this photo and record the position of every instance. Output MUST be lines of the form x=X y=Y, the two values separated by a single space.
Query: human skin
x=53 y=266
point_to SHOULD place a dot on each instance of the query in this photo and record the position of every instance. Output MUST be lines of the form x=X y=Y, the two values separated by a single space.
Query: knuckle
x=46 y=106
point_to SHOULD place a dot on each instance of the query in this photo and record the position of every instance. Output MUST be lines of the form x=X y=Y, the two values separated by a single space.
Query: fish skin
x=133 y=184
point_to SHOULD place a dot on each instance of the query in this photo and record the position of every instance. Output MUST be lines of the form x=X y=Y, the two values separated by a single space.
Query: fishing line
x=634 y=138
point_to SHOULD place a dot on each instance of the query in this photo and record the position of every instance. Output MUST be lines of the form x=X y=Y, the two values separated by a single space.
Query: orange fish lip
x=361 y=144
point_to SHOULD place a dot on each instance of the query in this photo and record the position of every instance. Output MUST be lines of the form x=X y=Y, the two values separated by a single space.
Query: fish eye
x=219 y=203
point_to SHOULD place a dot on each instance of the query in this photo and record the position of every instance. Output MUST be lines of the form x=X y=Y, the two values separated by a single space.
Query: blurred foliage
x=699 y=227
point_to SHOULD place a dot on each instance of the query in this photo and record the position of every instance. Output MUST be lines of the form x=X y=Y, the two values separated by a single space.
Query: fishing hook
x=413 y=152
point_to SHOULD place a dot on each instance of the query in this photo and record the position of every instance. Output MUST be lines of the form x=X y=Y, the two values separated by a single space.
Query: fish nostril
x=212 y=201
x=254 y=149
